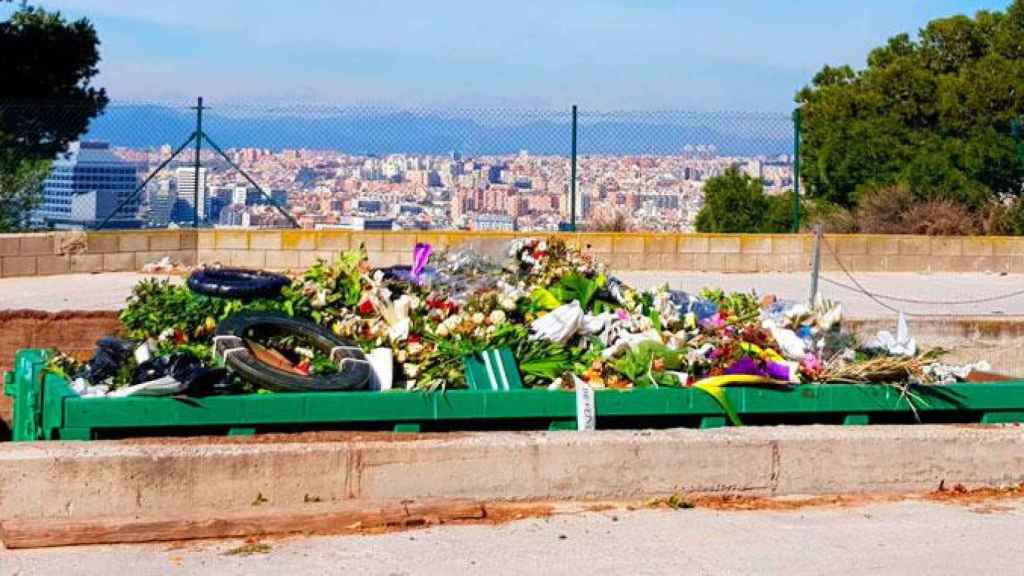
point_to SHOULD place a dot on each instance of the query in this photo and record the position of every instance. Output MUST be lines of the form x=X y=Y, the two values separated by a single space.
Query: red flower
x=366 y=308
x=303 y=366
x=413 y=338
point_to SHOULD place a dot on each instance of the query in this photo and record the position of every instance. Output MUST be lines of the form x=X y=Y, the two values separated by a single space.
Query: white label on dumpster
x=586 y=414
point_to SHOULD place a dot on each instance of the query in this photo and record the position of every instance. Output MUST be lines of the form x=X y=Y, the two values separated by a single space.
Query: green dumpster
x=45 y=408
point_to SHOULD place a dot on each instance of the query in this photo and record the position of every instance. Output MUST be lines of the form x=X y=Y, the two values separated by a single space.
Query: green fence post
x=199 y=149
x=572 y=183
x=796 y=171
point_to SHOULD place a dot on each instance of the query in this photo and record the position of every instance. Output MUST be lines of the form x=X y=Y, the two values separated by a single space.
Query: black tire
x=237 y=283
x=354 y=373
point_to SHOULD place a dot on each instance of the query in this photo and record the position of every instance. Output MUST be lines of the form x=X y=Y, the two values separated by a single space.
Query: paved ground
x=896 y=538
x=108 y=291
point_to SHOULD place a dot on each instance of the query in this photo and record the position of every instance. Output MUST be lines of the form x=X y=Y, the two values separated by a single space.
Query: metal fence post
x=572 y=183
x=199 y=149
x=796 y=171
x=815 y=265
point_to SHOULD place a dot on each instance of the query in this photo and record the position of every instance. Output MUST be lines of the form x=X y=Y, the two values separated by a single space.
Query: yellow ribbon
x=715 y=387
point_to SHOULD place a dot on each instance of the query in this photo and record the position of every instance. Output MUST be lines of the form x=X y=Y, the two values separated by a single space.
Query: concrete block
x=883 y=245
x=618 y=261
x=86 y=263
x=282 y=259
x=913 y=263
x=596 y=243
x=1007 y=246
x=946 y=246
x=399 y=242
x=850 y=245
x=333 y=240
x=915 y=246
x=724 y=244
x=50 y=265
x=120 y=262
x=628 y=244
x=165 y=241
x=298 y=240
x=771 y=262
x=209 y=257
x=995 y=264
x=755 y=244
x=437 y=241
x=190 y=239
x=265 y=240
x=865 y=263
x=709 y=262
x=231 y=240
x=185 y=257
x=35 y=244
x=383 y=259
x=660 y=244
x=206 y=240
x=249 y=258
x=101 y=242
x=308 y=258
x=786 y=245
x=651 y=261
x=127 y=242
x=18 y=266
x=371 y=241
x=10 y=244
x=676 y=262
x=693 y=244
x=798 y=263
x=977 y=246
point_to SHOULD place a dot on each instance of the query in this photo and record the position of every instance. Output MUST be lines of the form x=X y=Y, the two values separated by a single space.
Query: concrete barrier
x=51 y=253
x=74 y=481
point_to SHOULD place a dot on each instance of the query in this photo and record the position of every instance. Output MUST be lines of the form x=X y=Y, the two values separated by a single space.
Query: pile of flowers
x=566 y=318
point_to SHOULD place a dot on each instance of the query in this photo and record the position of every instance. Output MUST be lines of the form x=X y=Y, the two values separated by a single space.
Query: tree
x=935 y=113
x=735 y=202
x=46 y=101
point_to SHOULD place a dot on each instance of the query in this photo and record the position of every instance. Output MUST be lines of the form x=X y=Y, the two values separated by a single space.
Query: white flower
x=441 y=330
x=166 y=335
x=497 y=317
x=401 y=356
x=320 y=300
x=304 y=352
x=478 y=318
x=410 y=370
x=508 y=303
x=415 y=348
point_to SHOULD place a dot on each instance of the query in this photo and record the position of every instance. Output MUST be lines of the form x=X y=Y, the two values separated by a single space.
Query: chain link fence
x=138 y=165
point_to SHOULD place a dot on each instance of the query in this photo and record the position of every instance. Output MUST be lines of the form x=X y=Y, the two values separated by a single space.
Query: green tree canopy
x=735 y=202
x=46 y=100
x=935 y=113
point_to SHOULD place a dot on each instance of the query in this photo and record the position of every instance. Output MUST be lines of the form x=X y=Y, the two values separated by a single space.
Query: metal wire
x=878 y=298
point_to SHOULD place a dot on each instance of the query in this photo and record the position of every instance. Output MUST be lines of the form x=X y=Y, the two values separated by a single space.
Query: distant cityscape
x=326 y=189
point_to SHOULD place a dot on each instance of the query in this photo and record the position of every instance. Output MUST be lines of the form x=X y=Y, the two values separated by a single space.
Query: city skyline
x=698 y=55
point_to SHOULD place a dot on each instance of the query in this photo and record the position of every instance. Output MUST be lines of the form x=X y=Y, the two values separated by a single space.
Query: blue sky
x=606 y=54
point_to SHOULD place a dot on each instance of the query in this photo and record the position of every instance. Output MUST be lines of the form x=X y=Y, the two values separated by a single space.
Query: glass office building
x=86 y=185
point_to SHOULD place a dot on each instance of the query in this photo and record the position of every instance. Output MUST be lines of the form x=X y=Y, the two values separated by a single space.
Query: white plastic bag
x=560 y=324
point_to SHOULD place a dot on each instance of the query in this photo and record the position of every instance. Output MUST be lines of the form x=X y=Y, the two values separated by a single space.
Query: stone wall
x=44 y=254
x=78 y=252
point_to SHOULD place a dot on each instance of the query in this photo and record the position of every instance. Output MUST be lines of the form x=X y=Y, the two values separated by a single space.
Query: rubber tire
x=352 y=376
x=238 y=283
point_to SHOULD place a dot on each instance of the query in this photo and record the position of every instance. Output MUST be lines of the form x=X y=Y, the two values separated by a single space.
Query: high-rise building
x=186 y=179
x=87 y=185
